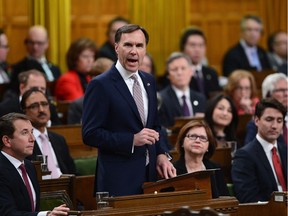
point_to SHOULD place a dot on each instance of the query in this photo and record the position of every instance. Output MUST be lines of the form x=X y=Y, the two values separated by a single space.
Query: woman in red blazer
x=79 y=58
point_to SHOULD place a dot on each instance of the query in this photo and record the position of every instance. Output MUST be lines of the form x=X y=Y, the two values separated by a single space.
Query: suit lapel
x=174 y=100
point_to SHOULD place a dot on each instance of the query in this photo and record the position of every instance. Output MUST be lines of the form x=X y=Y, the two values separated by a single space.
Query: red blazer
x=68 y=86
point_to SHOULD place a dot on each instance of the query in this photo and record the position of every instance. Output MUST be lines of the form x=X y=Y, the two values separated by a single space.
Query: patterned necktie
x=185 y=108
x=278 y=169
x=46 y=150
x=26 y=181
x=137 y=95
x=200 y=82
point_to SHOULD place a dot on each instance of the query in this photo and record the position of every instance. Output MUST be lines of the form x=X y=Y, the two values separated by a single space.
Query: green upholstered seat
x=85 y=165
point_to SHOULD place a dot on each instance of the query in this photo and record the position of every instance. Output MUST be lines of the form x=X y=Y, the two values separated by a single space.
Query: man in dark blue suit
x=254 y=173
x=247 y=54
x=16 y=143
x=127 y=137
x=179 y=73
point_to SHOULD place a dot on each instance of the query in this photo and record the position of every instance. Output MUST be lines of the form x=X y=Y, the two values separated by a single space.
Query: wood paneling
x=14 y=19
x=219 y=20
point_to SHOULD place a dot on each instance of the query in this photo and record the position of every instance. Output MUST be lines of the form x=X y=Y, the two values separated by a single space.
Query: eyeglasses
x=283 y=90
x=195 y=136
x=244 y=88
x=36 y=106
x=38 y=43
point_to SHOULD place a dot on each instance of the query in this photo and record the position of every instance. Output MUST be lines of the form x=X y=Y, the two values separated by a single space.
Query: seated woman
x=241 y=88
x=80 y=58
x=196 y=145
x=221 y=116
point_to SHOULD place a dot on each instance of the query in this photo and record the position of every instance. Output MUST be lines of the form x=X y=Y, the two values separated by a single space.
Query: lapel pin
x=148 y=84
x=195 y=103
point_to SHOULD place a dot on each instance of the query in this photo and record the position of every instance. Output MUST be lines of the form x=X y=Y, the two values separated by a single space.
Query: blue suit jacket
x=110 y=120
x=252 y=174
x=171 y=108
x=14 y=197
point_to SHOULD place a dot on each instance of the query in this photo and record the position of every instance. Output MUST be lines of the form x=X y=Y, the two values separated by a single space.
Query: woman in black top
x=196 y=145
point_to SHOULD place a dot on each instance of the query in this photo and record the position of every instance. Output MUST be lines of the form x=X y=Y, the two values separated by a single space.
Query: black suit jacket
x=59 y=145
x=28 y=64
x=171 y=108
x=236 y=58
x=252 y=175
x=13 y=105
x=210 y=80
x=218 y=184
x=14 y=197
x=107 y=51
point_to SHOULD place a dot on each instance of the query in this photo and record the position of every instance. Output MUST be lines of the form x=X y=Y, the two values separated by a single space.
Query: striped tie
x=137 y=95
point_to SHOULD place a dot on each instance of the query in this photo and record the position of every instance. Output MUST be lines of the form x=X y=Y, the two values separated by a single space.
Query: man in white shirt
x=19 y=189
x=260 y=167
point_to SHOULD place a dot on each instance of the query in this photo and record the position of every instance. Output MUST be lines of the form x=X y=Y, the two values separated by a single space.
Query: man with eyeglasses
x=247 y=54
x=4 y=66
x=27 y=80
x=35 y=104
x=274 y=86
x=37 y=43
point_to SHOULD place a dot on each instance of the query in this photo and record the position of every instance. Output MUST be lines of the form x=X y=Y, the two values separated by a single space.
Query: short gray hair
x=177 y=55
x=269 y=83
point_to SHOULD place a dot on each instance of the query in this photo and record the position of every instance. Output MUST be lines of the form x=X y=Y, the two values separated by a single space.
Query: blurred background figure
x=277 y=46
x=247 y=54
x=241 y=88
x=76 y=107
x=221 y=116
x=178 y=99
x=80 y=57
x=148 y=64
x=4 y=66
x=196 y=144
x=107 y=50
x=28 y=80
x=36 y=43
x=274 y=86
x=205 y=78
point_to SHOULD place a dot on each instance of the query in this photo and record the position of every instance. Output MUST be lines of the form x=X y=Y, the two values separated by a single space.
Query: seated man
x=37 y=43
x=247 y=54
x=260 y=167
x=19 y=189
x=205 y=78
x=35 y=104
x=28 y=79
x=177 y=98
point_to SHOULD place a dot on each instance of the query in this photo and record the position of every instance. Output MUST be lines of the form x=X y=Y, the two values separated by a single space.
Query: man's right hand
x=146 y=136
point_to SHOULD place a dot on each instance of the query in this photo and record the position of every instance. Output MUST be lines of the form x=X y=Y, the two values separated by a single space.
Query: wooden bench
x=73 y=137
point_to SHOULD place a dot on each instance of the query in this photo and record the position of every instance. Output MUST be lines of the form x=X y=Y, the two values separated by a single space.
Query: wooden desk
x=190 y=181
x=73 y=137
x=227 y=205
x=276 y=206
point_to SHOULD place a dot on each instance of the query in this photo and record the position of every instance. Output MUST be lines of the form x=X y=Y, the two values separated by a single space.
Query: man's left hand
x=164 y=167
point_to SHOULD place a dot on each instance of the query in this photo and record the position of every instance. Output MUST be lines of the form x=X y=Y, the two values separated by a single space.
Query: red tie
x=25 y=177
x=278 y=169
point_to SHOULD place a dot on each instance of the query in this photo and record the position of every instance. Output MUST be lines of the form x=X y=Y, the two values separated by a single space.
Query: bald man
x=36 y=43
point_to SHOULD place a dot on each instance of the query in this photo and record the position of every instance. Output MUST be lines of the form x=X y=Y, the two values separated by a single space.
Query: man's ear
x=256 y=120
x=6 y=141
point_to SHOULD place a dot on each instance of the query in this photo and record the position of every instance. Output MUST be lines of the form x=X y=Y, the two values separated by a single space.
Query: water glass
x=99 y=199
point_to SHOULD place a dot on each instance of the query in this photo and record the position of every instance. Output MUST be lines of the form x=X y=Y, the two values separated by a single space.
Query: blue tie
x=255 y=60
